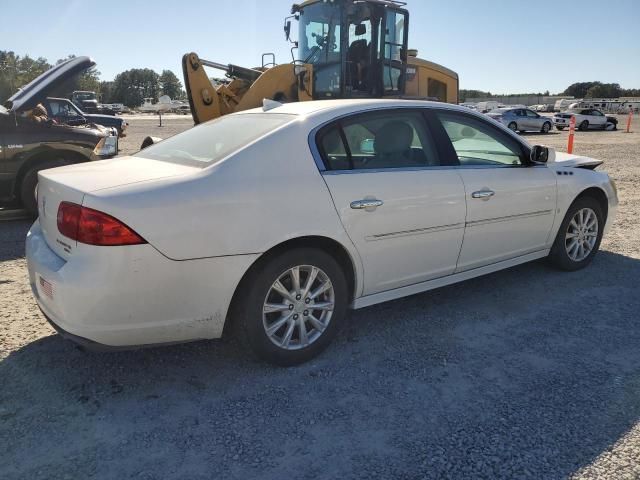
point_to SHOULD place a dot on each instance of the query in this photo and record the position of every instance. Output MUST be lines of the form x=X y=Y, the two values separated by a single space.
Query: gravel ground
x=526 y=373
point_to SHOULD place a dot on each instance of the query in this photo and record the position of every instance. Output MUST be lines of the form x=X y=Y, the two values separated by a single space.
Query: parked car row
x=526 y=120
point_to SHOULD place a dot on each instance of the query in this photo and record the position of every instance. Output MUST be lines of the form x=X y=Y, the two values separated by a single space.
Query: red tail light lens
x=92 y=227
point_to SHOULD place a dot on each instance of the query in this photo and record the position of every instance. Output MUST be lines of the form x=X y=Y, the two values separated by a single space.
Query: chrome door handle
x=483 y=194
x=366 y=204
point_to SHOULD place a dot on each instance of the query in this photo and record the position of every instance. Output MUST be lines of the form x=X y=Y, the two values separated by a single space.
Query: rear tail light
x=92 y=227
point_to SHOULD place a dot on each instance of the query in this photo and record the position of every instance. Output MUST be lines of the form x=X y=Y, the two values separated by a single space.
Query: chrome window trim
x=418 y=169
x=317 y=158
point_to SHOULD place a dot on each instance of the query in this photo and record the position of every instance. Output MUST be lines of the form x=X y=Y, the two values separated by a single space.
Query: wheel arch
x=326 y=244
x=599 y=195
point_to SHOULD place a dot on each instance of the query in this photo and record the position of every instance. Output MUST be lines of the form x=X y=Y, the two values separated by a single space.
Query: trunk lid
x=71 y=183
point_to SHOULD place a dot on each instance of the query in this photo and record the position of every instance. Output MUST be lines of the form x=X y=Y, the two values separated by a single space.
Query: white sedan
x=586 y=118
x=277 y=221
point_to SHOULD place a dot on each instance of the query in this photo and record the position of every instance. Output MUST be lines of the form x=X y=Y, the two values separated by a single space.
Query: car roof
x=339 y=107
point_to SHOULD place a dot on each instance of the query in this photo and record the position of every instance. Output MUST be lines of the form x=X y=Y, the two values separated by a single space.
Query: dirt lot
x=527 y=373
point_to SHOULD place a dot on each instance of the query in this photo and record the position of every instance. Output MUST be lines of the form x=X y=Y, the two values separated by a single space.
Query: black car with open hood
x=30 y=141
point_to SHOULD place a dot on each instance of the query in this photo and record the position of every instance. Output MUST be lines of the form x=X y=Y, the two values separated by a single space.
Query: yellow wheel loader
x=345 y=49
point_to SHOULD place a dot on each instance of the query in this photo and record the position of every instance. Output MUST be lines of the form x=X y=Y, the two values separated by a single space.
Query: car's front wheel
x=584 y=126
x=579 y=237
x=546 y=127
x=290 y=308
x=513 y=126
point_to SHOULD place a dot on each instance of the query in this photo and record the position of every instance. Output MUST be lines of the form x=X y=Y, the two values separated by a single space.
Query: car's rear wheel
x=290 y=308
x=29 y=186
x=513 y=126
x=584 y=126
x=546 y=127
x=579 y=237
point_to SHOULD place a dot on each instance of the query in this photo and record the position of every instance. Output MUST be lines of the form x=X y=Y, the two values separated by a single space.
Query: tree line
x=130 y=87
x=577 y=90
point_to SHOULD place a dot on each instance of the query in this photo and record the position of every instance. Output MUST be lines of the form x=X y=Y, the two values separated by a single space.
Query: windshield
x=213 y=141
x=319 y=42
x=86 y=96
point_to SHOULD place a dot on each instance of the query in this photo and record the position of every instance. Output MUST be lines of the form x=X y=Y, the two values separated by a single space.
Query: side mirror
x=287 y=30
x=541 y=155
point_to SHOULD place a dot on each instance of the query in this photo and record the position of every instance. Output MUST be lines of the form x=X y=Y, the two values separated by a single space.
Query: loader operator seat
x=358 y=58
x=392 y=147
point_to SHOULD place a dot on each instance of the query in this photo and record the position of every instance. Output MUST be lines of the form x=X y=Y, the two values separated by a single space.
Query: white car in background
x=276 y=221
x=586 y=118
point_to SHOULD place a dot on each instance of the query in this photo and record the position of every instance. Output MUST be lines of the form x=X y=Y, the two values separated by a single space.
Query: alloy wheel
x=298 y=307
x=582 y=234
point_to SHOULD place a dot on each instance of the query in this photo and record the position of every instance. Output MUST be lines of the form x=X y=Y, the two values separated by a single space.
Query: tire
x=27 y=188
x=560 y=128
x=584 y=126
x=546 y=127
x=562 y=255
x=251 y=324
x=513 y=126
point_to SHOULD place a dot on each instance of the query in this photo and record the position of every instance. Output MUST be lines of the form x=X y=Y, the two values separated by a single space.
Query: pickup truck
x=66 y=112
x=30 y=141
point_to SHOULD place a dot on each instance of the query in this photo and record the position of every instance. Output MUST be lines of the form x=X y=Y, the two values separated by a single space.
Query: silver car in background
x=522 y=120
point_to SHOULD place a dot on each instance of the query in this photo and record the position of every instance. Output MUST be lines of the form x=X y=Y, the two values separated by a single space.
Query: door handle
x=483 y=194
x=366 y=204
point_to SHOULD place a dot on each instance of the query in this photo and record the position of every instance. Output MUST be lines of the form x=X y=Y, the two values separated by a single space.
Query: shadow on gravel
x=526 y=373
x=12 y=236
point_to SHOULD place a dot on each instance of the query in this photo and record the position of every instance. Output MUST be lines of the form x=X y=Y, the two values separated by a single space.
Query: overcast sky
x=503 y=46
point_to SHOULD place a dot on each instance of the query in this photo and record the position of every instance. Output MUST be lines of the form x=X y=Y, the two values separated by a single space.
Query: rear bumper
x=106 y=297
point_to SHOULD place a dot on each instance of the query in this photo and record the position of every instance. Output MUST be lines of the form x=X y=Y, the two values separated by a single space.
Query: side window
x=379 y=140
x=332 y=149
x=55 y=108
x=437 y=90
x=478 y=143
x=532 y=114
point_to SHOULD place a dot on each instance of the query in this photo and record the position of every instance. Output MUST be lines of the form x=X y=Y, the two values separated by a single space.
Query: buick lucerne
x=277 y=221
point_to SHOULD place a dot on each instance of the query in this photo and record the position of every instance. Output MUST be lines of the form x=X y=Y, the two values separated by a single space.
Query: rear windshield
x=211 y=142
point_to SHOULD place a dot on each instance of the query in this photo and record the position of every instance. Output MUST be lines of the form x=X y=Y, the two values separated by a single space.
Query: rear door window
x=378 y=140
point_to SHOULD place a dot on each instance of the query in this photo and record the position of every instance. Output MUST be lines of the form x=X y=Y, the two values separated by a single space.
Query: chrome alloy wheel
x=582 y=234
x=298 y=307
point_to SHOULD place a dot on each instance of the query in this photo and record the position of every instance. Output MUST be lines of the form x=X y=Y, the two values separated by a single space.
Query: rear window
x=211 y=142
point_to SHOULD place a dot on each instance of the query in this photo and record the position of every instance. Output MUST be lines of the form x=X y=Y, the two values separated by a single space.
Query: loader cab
x=356 y=49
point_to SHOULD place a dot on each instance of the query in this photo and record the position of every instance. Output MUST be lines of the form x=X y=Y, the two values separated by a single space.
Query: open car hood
x=38 y=89
x=569 y=160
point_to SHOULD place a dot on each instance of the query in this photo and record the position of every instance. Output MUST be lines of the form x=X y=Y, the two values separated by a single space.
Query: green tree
x=170 y=85
x=133 y=86
x=580 y=89
x=107 y=92
x=604 y=90
x=16 y=72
